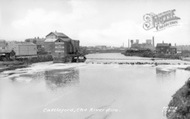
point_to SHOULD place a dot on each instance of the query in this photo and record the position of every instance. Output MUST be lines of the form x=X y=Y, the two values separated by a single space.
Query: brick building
x=165 y=48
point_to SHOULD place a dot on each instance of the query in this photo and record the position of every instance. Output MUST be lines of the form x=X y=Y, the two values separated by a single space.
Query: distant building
x=142 y=46
x=101 y=47
x=165 y=48
x=38 y=41
x=50 y=41
x=183 y=47
x=3 y=45
x=149 y=42
x=22 y=48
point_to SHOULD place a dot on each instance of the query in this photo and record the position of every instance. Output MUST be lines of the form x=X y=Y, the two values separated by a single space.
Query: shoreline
x=11 y=65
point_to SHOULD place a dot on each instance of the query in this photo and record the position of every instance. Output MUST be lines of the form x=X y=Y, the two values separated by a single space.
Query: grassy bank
x=179 y=106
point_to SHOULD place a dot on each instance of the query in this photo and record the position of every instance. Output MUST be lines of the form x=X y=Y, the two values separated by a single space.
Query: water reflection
x=25 y=76
x=162 y=73
x=61 y=78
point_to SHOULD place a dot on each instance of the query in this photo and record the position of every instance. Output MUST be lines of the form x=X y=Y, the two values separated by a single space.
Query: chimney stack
x=153 y=41
x=128 y=43
x=131 y=42
x=137 y=41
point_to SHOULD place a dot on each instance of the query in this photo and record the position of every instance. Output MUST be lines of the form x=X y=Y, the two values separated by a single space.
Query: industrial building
x=22 y=48
x=149 y=44
x=62 y=48
x=49 y=44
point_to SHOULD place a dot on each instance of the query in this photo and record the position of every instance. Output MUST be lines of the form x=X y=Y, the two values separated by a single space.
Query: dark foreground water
x=88 y=91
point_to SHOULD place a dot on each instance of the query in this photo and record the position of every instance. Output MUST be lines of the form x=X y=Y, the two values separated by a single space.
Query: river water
x=89 y=91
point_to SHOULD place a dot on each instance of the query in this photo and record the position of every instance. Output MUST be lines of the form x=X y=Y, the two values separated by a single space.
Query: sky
x=93 y=22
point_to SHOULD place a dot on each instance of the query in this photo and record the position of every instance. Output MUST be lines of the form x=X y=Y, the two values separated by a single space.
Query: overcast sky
x=93 y=22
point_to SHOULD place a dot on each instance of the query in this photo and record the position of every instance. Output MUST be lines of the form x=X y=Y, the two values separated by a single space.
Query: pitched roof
x=162 y=44
x=25 y=43
x=59 y=34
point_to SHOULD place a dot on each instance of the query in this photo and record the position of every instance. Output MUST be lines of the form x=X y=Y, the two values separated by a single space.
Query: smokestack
x=131 y=42
x=137 y=41
x=153 y=41
x=128 y=43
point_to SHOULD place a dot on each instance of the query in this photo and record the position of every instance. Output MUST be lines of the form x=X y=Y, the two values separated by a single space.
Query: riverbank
x=11 y=65
x=24 y=62
x=179 y=106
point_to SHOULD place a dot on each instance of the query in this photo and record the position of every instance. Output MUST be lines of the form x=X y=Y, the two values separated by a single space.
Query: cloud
x=0 y=24
x=91 y=22
x=40 y=21
x=83 y=9
x=0 y=19
x=116 y=34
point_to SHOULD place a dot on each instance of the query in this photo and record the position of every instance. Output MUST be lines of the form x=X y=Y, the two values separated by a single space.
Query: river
x=89 y=91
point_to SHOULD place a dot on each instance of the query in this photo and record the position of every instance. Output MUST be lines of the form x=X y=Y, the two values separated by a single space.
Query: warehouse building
x=61 y=47
x=56 y=39
x=22 y=48
x=49 y=44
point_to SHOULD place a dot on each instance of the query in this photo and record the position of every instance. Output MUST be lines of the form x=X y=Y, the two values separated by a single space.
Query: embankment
x=179 y=106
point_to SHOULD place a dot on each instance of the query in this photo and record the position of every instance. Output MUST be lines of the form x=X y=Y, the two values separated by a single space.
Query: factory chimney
x=153 y=41
x=128 y=43
x=131 y=42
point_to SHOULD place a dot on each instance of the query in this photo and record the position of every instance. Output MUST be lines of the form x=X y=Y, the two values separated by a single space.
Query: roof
x=24 y=43
x=162 y=44
x=59 y=34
